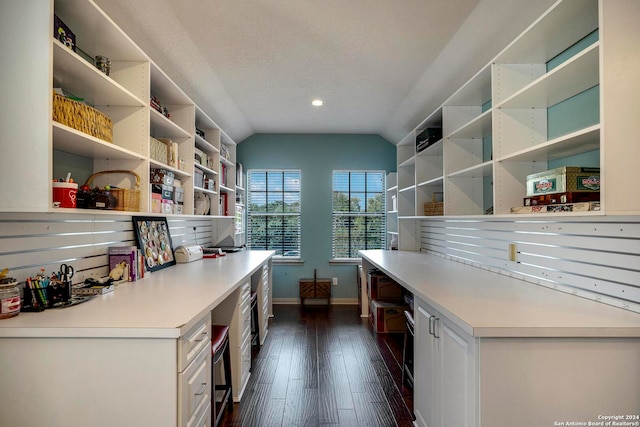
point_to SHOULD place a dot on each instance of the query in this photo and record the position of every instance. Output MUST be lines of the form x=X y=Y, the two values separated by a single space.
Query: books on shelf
x=223 y=204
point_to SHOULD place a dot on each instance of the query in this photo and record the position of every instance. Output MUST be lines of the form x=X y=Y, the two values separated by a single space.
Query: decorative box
x=161 y=176
x=166 y=206
x=178 y=195
x=62 y=33
x=82 y=117
x=165 y=191
x=198 y=178
x=427 y=138
x=558 y=198
x=386 y=316
x=159 y=151
x=200 y=157
x=564 y=179
x=156 y=203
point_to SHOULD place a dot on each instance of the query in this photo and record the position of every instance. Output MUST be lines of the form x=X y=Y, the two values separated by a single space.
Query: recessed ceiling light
x=317 y=102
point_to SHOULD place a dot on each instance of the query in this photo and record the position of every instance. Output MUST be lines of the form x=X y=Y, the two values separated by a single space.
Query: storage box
x=568 y=207
x=158 y=150
x=81 y=117
x=386 y=316
x=178 y=194
x=162 y=176
x=166 y=206
x=62 y=33
x=564 y=179
x=382 y=287
x=198 y=178
x=156 y=203
x=558 y=198
x=200 y=157
x=436 y=206
x=427 y=138
x=165 y=191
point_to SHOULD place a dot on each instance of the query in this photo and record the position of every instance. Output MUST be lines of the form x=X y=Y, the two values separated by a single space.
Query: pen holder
x=39 y=299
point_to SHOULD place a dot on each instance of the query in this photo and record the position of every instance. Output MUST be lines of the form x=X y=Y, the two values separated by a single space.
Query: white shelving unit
x=38 y=143
x=496 y=126
x=392 y=209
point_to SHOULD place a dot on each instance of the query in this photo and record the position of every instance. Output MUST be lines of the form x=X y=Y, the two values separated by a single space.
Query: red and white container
x=65 y=194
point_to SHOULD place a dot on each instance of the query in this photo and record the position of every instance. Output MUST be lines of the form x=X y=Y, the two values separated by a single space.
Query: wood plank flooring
x=323 y=366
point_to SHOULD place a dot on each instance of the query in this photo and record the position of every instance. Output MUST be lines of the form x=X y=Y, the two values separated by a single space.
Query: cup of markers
x=41 y=292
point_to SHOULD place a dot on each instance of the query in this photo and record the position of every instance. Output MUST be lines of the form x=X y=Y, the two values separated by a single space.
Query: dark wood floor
x=323 y=366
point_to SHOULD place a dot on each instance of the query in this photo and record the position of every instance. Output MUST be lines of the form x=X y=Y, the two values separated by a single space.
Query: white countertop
x=159 y=306
x=488 y=304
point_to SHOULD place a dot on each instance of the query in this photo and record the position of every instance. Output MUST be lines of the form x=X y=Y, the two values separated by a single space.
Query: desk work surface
x=158 y=306
x=488 y=304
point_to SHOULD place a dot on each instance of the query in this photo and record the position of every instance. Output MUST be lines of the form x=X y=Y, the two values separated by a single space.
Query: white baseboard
x=320 y=301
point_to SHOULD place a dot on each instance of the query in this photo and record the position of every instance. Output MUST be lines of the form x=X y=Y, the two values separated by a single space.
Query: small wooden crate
x=82 y=117
x=128 y=199
x=315 y=288
x=434 y=207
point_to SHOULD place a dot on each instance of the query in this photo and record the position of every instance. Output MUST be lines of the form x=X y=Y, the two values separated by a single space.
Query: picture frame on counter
x=154 y=240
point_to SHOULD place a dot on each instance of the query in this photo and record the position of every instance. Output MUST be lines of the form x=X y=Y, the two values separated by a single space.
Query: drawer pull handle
x=431 y=329
x=203 y=336
x=435 y=327
x=204 y=389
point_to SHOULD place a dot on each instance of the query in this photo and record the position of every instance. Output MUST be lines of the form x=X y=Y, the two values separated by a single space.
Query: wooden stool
x=255 y=324
x=407 y=350
x=220 y=349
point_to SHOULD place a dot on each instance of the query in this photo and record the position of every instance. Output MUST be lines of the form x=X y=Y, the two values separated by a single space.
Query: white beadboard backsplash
x=591 y=257
x=31 y=241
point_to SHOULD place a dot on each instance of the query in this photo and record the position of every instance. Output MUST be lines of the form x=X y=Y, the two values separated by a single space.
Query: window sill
x=282 y=261
x=352 y=261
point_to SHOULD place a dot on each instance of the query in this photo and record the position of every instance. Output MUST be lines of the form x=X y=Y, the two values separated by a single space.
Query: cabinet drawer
x=245 y=357
x=194 y=388
x=245 y=295
x=198 y=338
x=204 y=420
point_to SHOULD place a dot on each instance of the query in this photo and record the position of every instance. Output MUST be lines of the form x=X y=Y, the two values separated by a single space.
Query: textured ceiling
x=379 y=65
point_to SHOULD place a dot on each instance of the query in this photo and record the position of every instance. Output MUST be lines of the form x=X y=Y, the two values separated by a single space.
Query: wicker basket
x=128 y=200
x=81 y=117
x=434 y=208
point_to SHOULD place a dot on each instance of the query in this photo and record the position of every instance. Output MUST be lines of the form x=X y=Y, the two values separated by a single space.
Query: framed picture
x=154 y=241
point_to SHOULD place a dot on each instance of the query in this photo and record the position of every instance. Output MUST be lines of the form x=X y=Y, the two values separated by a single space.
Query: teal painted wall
x=316 y=155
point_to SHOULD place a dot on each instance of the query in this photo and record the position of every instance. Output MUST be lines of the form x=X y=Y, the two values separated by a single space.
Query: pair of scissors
x=67 y=272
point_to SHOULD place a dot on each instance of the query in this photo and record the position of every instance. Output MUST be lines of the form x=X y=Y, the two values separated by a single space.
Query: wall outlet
x=335 y=281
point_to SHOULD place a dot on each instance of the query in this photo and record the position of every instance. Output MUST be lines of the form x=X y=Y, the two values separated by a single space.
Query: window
x=359 y=220
x=273 y=214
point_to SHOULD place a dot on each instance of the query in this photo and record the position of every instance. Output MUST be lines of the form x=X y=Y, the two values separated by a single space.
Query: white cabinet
x=558 y=95
x=194 y=373
x=49 y=149
x=392 y=210
x=261 y=283
x=445 y=374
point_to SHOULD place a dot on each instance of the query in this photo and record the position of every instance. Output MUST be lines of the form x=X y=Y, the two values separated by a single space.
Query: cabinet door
x=456 y=370
x=424 y=401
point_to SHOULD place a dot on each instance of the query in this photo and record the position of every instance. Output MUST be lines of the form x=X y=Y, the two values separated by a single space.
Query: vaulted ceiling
x=380 y=66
